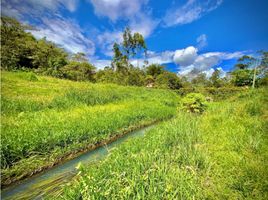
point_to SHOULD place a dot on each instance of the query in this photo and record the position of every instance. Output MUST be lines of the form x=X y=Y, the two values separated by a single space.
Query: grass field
x=44 y=118
x=221 y=154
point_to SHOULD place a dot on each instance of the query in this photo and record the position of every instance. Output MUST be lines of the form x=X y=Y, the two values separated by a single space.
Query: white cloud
x=185 y=57
x=107 y=39
x=100 y=64
x=210 y=71
x=65 y=33
x=115 y=9
x=201 y=41
x=161 y=58
x=46 y=18
x=155 y=58
x=189 y=61
x=131 y=11
x=17 y=8
x=189 y=12
x=143 y=24
x=203 y=62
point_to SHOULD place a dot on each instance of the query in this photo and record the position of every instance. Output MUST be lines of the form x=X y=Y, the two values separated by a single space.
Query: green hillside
x=45 y=119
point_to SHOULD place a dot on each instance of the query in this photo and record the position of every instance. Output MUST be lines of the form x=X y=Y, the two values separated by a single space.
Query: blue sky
x=183 y=35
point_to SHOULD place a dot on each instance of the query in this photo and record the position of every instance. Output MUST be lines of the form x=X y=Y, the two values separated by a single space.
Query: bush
x=194 y=103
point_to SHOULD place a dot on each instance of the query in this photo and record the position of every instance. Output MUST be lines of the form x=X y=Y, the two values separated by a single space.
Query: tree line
x=20 y=50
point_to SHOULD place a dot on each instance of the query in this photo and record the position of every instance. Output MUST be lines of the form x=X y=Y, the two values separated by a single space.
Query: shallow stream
x=51 y=181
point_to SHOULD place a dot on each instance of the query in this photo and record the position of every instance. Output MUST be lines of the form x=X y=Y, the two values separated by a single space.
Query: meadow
x=221 y=154
x=45 y=119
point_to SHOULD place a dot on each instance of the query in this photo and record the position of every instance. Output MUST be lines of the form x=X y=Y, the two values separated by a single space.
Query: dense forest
x=21 y=51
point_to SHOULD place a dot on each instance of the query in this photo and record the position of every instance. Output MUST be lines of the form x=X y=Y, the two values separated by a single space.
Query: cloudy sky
x=183 y=35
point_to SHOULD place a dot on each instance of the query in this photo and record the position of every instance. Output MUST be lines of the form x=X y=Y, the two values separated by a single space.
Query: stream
x=51 y=181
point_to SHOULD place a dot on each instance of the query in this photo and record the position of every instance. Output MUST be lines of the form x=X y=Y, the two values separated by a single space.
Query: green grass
x=221 y=154
x=45 y=118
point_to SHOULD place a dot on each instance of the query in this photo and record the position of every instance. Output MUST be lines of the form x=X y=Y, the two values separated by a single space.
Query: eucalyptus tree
x=244 y=62
x=132 y=45
x=215 y=79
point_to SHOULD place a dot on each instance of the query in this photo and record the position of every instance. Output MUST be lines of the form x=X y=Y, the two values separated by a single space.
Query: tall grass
x=221 y=154
x=45 y=119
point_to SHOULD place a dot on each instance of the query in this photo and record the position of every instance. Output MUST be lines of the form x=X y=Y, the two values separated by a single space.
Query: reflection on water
x=50 y=182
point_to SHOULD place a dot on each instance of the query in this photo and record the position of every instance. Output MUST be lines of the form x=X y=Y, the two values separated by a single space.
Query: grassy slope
x=219 y=155
x=44 y=119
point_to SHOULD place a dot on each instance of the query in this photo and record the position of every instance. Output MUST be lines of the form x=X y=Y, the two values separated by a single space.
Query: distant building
x=150 y=85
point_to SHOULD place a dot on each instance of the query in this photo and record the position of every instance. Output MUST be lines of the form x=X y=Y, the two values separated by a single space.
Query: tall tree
x=119 y=62
x=215 y=79
x=16 y=44
x=244 y=62
x=132 y=45
x=19 y=49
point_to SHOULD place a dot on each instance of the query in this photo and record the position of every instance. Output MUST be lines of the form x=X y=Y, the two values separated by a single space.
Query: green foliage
x=20 y=49
x=32 y=77
x=200 y=80
x=242 y=77
x=154 y=70
x=219 y=155
x=135 y=76
x=16 y=44
x=131 y=76
x=49 y=118
x=194 y=103
x=215 y=79
x=47 y=56
x=168 y=80
x=79 y=57
x=132 y=45
x=222 y=92
x=244 y=62
x=78 y=71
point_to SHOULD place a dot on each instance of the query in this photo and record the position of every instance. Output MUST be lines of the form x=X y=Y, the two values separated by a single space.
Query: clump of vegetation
x=194 y=103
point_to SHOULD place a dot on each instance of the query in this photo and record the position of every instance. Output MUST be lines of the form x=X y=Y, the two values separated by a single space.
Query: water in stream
x=50 y=182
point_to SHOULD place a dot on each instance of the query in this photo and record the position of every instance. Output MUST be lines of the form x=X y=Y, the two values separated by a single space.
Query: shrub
x=194 y=103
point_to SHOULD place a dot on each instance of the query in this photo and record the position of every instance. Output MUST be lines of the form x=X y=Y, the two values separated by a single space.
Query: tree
x=242 y=77
x=244 y=62
x=79 y=71
x=20 y=50
x=200 y=80
x=79 y=57
x=168 y=80
x=263 y=68
x=48 y=57
x=119 y=62
x=215 y=79
x=154 y=70
x=136 y=77
x=16 y=44
x=132 y=45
